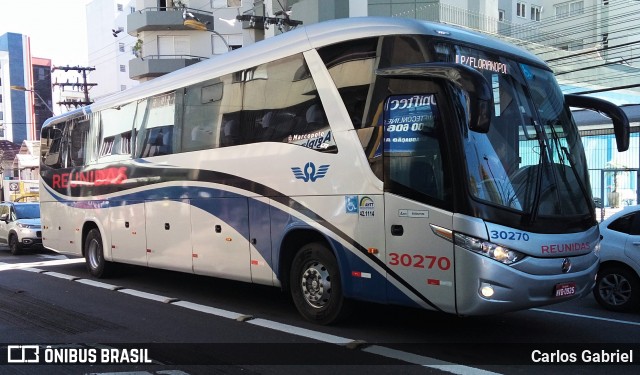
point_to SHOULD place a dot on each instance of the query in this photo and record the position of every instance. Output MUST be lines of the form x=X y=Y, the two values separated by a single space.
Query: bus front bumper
x=485 y=286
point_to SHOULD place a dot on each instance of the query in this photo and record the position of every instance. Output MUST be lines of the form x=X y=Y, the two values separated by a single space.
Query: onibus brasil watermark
x=66 y=354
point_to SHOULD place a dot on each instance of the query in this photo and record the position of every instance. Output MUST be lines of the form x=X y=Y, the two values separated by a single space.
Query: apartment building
x=110 y=47
x=25 y=89
x=165 y=42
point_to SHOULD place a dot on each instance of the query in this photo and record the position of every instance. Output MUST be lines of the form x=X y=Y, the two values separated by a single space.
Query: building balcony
x=156 y=19
x=158 y=65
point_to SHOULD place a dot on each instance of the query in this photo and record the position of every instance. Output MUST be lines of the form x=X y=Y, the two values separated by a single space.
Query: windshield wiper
x=536 y=195
x=572 y=165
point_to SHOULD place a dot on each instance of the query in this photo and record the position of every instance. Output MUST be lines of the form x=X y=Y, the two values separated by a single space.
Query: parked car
x=20 y=225
x=618 y=282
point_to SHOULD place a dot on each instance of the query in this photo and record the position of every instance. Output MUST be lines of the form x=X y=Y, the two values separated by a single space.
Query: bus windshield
x=531 y=160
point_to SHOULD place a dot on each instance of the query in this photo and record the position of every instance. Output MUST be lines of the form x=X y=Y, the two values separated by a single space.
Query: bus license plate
x=565 y=289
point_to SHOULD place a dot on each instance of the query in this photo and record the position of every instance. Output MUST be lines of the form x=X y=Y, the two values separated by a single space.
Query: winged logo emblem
x=309 y=172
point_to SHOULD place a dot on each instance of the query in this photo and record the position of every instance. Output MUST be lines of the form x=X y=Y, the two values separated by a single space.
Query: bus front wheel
x=316 y=287
x=94 y=255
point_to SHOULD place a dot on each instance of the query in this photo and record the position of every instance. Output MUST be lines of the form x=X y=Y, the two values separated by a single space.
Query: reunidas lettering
x=564 y=248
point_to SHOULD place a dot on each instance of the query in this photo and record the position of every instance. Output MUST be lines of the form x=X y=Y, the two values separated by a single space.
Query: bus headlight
x=494 y=251
x=596 y=249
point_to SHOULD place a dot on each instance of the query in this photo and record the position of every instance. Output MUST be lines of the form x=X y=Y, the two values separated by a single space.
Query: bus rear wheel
x=316 y=287
x=94 y=255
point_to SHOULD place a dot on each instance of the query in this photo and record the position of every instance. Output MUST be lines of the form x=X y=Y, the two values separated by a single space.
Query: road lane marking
x=99 y=284
x=303 y=332
x=269 y=324
x=425 y=361
x=588 y=317
x=61 y=275
x=208 y=310
x=145 y=295
x=47 y=256
x=57 y=262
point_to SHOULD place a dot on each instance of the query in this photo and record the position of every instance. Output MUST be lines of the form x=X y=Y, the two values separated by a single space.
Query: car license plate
x=565 y=289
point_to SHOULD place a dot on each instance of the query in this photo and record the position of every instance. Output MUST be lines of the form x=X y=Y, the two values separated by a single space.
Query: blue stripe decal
x=173 y=192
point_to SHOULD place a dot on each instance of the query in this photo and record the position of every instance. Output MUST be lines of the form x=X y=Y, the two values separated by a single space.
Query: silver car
x=618 y=281
x=20 y=225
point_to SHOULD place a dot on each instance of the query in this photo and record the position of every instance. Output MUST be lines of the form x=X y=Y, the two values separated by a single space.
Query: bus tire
x=316 y=286
x=14 y=244
x=94 y=255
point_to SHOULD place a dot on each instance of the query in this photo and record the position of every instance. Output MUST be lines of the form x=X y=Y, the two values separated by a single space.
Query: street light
x=22 y=88
x=192 y=22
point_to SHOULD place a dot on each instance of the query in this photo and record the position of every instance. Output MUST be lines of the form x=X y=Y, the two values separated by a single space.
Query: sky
x=57 y=28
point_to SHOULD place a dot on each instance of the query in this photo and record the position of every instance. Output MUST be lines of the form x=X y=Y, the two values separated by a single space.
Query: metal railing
x=173 y=57
x=172 y=9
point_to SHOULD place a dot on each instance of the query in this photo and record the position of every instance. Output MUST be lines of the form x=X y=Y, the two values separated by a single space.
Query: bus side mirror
x=465 y=78
x=608 y=109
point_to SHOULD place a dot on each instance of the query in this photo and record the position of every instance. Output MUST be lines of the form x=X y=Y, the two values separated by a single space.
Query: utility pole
x=84 y=85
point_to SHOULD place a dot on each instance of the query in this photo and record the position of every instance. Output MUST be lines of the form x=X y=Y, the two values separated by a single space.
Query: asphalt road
x=191 y=324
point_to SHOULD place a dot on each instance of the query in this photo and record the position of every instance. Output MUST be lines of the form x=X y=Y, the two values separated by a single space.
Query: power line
x=85 y=86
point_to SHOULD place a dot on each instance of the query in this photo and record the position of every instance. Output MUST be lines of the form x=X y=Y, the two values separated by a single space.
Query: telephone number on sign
x=419 y=261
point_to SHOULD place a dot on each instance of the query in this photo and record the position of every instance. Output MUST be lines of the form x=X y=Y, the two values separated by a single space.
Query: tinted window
x=51 y=145
x=280 y=104
x=211 y=108
x=78 y=137
x=116 y=131
x=159 y=123
x=351 y=65
x=635 y=229
x=412 y=146
x=622 y=224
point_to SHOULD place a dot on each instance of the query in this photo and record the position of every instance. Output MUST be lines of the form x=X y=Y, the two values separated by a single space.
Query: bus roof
x=296 y=41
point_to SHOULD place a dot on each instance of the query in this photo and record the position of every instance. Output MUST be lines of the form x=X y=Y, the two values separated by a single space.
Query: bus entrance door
x=417 y=255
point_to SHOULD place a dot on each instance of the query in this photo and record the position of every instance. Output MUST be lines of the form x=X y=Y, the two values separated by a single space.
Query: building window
x=123 y=68
x=574 y=45
x=121 y=47
x=120 y=7
x=521 y=9
x=174 y=45
x=132 y=10
x=0 y=100
x=535 y=13
x=571 y=8
x=501 y=15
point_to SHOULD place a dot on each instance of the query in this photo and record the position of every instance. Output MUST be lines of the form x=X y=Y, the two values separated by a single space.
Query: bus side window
x=79 y=132
x=158 y=126
x=158 y=141
x=281 y=104
x=51 y=145
x=351 y=65
x=202 y=109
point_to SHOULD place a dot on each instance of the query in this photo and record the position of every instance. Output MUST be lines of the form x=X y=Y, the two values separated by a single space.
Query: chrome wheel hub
x=316 y=284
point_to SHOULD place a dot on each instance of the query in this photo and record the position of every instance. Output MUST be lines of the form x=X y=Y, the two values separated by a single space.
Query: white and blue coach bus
x=377 y=159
